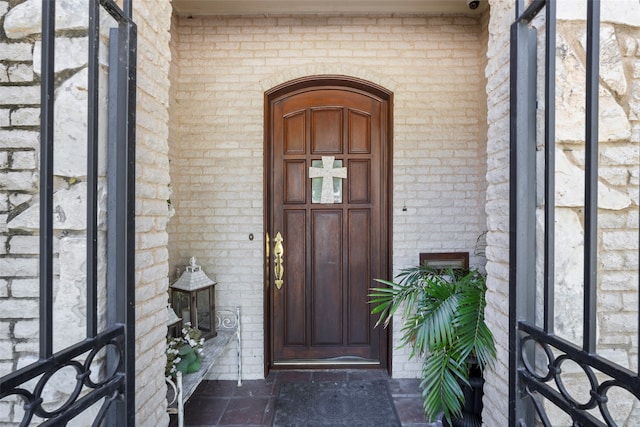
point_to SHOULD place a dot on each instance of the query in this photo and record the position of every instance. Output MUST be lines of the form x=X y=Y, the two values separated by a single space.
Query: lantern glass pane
x=204 y=310
x=182 y=305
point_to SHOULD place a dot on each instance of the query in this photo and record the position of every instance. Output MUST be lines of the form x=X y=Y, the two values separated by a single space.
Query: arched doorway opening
x=328 y=164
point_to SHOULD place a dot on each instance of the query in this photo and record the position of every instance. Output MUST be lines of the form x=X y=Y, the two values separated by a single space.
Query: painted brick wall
x=434 y=66
x=153 y=19
x=497 y=208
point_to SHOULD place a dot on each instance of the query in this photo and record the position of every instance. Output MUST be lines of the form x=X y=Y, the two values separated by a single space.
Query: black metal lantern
x=193 y=299
x=174 y=323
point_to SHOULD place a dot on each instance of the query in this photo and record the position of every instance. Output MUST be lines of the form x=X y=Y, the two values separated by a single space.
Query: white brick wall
x=153 y=19
x=434 y=66
x=496 y=409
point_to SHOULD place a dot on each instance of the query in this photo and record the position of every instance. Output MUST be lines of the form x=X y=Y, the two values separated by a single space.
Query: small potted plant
x=183 y=353
x=443 y=313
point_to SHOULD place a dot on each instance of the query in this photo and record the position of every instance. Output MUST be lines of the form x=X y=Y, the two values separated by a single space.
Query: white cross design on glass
x=327 y=172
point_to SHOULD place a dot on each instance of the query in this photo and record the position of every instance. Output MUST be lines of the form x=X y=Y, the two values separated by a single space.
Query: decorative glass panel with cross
x=326 y=180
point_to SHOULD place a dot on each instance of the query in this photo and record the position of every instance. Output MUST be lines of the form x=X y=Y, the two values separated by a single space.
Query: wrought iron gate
x=541 y=360
x=101 y=366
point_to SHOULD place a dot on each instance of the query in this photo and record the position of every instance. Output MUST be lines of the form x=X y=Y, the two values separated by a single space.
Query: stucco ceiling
x=254 y=7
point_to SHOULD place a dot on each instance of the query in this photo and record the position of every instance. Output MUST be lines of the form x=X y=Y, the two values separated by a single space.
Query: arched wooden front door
x=328 y=186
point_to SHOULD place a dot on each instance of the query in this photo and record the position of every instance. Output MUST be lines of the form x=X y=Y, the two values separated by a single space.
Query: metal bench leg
x=180 y=400
x=238 y=337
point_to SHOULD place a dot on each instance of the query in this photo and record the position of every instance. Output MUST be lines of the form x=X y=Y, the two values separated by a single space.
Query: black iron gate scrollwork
x=540 y=359
x=100 y=367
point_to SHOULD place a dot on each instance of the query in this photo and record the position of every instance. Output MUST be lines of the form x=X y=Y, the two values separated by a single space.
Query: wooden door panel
x=294 y=133
x=295 y=186
x=359 y=132
x=326 y=131
x=359 y=181
x=359 y=275
x=326 y=278
x=294 y=288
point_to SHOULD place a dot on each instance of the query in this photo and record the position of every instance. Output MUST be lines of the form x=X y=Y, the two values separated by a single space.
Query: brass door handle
x=278 y=256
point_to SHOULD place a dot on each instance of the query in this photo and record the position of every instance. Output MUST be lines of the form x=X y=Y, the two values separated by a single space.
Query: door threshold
x=351 y=361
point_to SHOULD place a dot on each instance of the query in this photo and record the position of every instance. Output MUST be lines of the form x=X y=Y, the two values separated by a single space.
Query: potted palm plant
x=443 y=313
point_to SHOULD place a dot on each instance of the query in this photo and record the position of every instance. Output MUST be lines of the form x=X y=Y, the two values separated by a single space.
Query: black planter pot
x=472 y=408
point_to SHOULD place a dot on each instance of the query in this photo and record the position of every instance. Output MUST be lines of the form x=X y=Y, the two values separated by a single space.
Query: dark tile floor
x=222 y=403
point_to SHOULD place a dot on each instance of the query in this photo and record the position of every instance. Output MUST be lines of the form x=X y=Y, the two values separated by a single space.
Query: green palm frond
x=434 y=320
x=388 y=300
x=441 y=388
x=474 y=337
